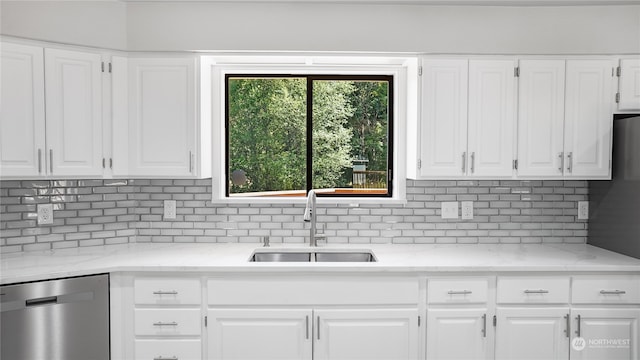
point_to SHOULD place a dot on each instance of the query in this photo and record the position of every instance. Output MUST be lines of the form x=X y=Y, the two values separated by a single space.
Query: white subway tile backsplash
x=99 y=212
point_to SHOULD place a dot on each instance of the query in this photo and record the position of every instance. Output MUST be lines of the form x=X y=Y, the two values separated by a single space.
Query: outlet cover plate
x=449 y=209
x=45 y=214
x=467 y=210
x=169 y=209
x=583 y=210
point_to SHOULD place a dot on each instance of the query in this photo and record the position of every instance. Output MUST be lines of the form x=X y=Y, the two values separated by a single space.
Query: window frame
x=310 y=79
x=214 y=67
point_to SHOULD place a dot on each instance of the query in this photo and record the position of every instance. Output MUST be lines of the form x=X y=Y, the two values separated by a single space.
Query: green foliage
x=267 y=131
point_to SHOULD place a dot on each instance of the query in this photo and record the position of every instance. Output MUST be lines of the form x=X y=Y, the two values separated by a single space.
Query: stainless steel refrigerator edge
x=65 y=319
x=614 y=216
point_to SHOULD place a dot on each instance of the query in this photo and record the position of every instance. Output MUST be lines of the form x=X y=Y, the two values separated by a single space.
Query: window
x=287 y=134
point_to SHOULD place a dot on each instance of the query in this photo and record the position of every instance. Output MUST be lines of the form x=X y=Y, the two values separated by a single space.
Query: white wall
x=101 y=24
x=327 y=27
x=341 y=27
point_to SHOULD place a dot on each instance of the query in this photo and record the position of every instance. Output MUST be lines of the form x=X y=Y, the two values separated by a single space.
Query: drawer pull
x=540 y=291
x=567 y=331
x=160 y=323
x=459 y=292
x=612 y=292
x=165 y=358
x=160 y=292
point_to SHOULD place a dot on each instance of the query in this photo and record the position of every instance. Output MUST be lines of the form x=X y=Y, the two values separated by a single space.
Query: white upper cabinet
x=541 y=118
x=22 y=119
x=629 y=88
x=443 y=131
x=162 y=117
x=73 y=86
x=491 y=118
x=588 y=119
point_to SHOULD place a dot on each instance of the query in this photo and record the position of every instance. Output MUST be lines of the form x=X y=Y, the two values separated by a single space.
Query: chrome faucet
x=310 y=215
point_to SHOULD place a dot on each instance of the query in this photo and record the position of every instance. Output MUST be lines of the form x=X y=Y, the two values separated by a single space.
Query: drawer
x=606 y=289
x=183 y=349
x=170 y=291
x=167 y=322
x=457 y=291
x=534 y=290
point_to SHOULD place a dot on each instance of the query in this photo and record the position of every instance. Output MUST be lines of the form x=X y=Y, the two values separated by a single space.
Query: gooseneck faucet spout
x=310 y=215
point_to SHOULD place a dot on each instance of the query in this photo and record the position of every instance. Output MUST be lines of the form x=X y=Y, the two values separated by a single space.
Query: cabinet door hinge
x=205 y=321
x=515 y=164
x=419 y=164
x=617 y=98
x=495 y=321
x=516 y=71
x=618 y=71
x=419 y=70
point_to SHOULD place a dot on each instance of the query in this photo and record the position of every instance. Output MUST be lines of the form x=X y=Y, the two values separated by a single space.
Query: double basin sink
x=312 y=255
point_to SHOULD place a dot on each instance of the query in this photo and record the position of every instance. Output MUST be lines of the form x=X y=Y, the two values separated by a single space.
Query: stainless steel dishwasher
x=65 y=319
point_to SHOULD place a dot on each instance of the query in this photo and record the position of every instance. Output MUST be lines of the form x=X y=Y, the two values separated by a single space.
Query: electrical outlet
x=45 y=214
x=449 y=210
x=583 y=210
x=467 y=210
x=169 y=209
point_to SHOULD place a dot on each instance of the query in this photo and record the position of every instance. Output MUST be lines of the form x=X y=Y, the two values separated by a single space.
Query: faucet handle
x=265 y=241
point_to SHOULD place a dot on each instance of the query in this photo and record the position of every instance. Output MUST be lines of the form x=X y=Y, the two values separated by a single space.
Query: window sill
x=345 y=201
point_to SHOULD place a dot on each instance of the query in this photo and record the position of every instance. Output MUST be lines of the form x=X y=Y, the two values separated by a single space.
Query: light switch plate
x=45 y=214
x=583 y=210
x=467 y=210
x=169 y=209
x=449 y=210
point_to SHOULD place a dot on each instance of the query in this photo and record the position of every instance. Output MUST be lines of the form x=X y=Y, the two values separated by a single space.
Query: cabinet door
x=588 y=119
x=629 y=84
x=162 y=117
x=610 y=334
x=443 y=130
x=74 y=113
x=541 y=118
x=458 y=334
x=491 y=118
x=251 y=334
x=366 y=334
x=532 y=333
x=22 y=122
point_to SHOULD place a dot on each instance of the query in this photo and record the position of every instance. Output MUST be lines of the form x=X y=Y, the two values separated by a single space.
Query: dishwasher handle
x=41 y=301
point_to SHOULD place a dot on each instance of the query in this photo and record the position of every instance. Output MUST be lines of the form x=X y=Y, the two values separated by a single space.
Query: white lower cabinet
x=458 y=333
x=168 y=349
x=605 y=333
x=247 y=334
x=532 y=333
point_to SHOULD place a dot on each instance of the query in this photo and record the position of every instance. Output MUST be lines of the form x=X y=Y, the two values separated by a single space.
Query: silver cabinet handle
x=612 y=292
x=39 y=161
x=306 y=326
x=104 y=163
x=578 y=318
x=165 y=358
x=473 y=162
x=484 y=325
x=541 y=291
x=190 y=162
x=161 y=292
x=110 y=163
x=51 y=160
x=561 y=156
x=459 y=292
x=464 y=161
x=160 y=323
x=570 y=162
x=567 y=331
x=318 y=324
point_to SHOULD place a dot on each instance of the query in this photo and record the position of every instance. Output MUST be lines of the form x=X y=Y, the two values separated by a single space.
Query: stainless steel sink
x=313 y=256
x=364 y=256
x=276 y=256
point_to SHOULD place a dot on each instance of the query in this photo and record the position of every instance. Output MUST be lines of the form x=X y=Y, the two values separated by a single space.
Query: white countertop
x=418 y=258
